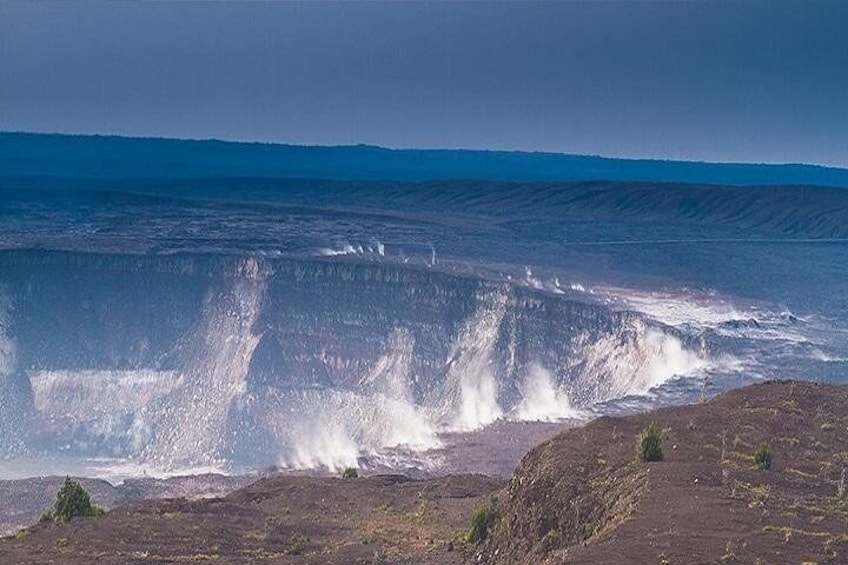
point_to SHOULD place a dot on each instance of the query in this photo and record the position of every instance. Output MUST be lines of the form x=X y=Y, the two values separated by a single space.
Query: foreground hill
x=582 y=497
x=278 y=520
x=578 y=498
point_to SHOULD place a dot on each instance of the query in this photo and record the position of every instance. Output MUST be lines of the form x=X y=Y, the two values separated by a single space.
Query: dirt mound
x=547 y=505
x=582 y=497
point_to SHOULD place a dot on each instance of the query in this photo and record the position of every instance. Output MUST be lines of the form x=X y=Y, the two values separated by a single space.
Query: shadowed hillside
x=123 y=157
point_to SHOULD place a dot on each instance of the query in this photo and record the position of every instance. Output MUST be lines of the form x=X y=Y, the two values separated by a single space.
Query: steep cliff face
x=237 y=359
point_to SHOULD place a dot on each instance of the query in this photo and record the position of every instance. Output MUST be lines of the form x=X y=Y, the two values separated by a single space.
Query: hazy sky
x=719 y=81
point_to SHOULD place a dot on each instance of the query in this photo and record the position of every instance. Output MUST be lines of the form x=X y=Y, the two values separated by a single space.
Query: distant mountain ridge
x=111 y=157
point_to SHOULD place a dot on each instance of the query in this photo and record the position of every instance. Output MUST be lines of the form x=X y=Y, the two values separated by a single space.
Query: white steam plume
x=541 y=399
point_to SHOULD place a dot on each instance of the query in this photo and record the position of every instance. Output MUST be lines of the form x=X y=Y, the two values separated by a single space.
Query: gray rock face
x=193 y=360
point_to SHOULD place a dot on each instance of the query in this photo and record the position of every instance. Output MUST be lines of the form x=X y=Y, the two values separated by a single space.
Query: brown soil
x=583 y=498
x=378 y=519
x=578 y=498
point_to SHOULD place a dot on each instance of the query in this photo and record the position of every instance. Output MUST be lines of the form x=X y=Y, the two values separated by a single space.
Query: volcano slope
x=581 y=497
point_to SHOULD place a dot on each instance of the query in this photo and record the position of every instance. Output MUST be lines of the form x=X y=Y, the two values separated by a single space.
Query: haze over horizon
x=715 y=82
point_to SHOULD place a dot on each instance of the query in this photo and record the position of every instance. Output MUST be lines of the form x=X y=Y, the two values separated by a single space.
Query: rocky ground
x=281 y=519
x=23 y=500
x=581 y=497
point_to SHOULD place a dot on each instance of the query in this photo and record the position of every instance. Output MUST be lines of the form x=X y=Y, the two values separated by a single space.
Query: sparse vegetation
x=552 y=539
x=650 y=444
x=761 y=495
x=729 y=555
x=295 y=545
x=46 y=516
x=72 y=501
x=380 y=558
x=350 y=473
x=763 y=457
x=483 y=521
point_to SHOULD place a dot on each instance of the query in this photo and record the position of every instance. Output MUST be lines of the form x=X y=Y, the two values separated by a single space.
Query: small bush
x=650 y=444
x=762 y=457
x=482 y=523
x=46 y=516
x=350 y=473
x=73 y=501
x=295 y=545
x=380 y=558
x=552 y=539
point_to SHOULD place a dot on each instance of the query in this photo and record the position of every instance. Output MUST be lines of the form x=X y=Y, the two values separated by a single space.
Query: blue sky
x=717 y=81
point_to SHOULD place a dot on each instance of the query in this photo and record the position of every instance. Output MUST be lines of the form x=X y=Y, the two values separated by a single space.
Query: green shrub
x=650 y=444
x=350 y=473
x=46 y=516
x=552 y=539
x=73 y=501
x=482 y=522
x=295 y=545
x=295 y=548
x=762 y=457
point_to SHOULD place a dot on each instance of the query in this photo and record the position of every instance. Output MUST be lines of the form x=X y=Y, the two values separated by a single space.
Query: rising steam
x=471 y=387
x=541 y=399
x=633 y=361
x=194 y=417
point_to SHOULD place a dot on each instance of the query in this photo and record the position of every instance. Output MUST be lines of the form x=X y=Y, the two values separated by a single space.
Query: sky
x=737 y=81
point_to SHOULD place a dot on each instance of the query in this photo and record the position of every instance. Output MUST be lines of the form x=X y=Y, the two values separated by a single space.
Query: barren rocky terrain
x=581 y=497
